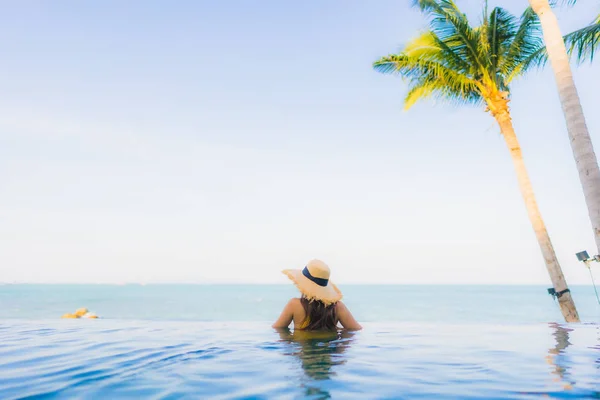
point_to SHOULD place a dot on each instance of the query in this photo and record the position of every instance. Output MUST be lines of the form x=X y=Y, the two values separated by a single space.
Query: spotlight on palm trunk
x=585 y=257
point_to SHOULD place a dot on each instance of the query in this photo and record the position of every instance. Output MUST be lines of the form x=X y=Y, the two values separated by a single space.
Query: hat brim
x=327 y=294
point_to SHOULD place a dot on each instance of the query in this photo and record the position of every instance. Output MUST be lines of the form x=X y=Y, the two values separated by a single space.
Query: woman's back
x=324 y=318
x=320 y=307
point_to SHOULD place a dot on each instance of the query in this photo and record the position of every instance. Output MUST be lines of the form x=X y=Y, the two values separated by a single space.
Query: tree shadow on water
x=319 y=353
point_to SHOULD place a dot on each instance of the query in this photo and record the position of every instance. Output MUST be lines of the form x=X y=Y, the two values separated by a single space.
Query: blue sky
x=225 y=141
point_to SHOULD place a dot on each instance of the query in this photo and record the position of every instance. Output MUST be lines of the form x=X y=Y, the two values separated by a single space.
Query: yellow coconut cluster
x=81 y=313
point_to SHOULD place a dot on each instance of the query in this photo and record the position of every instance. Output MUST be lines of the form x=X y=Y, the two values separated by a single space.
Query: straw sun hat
x=313 y=282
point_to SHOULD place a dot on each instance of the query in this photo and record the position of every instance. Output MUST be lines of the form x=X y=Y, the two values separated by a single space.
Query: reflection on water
x=319 y=353
x=597 y=347
x=112 y=360
x=557 y=357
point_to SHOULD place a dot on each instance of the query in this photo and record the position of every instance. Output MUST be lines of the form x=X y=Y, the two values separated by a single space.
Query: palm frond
x=462 y=64
x=426 y=78
x=429 y=46
x=434 y=89
x=501 y=28
x=413 y=67
x=537 y=59
x=418 y=92
x=526 y=49
x=584 y=42
x=452 y=27
x=558 y=3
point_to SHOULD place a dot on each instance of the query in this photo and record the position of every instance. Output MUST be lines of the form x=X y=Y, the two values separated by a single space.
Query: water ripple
x=112 y=359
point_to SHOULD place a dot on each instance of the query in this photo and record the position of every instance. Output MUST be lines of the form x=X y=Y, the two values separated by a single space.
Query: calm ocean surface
x=186 y=341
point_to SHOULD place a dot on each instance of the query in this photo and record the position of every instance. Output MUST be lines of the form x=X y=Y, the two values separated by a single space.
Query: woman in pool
x=319 y=308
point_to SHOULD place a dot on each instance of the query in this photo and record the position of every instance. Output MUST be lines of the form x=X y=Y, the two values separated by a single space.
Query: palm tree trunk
x=567 y=305
x=581 y=143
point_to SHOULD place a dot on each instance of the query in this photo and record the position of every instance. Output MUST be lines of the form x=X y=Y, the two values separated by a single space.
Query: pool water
x=215 y=341
x=104 y=359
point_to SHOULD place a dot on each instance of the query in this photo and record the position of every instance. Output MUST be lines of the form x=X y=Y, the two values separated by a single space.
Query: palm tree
x=584 y=42
x=581 y=143
x=462 y=64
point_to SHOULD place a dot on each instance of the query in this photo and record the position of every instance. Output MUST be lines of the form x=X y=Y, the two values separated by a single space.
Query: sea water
x=215 y=341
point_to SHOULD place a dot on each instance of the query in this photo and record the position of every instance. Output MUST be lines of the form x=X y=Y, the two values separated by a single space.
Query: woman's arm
x=345 y=317
x=286 y=317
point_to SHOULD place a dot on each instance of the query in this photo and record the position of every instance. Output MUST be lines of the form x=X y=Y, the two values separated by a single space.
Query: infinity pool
x=103 y=359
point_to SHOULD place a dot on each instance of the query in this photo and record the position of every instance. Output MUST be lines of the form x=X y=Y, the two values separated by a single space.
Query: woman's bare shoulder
x=293 y=303
x=345 y=317
x=340 y=306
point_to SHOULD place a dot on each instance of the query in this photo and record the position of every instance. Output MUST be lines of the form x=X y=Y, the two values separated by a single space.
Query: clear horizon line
x=273 y=284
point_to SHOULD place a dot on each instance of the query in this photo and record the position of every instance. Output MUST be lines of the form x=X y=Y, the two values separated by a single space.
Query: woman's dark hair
x=320 y=317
